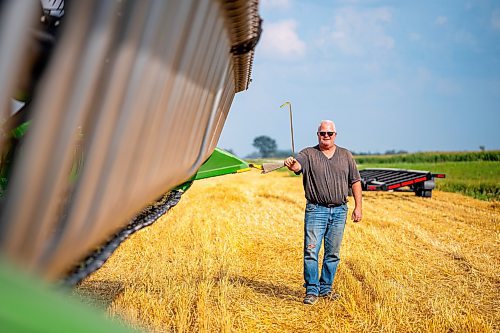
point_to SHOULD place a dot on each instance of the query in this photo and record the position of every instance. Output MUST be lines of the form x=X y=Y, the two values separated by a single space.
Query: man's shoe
x=330 y=295
x=310 y=299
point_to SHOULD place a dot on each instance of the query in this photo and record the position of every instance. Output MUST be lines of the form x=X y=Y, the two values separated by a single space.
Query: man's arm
x=292 y=164
x=356 y=192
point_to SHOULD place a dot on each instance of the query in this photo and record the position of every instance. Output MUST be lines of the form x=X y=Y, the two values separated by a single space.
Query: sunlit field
x=228 y=258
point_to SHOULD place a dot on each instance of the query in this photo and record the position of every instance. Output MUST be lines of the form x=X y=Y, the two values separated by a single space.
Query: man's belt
x=330 y=205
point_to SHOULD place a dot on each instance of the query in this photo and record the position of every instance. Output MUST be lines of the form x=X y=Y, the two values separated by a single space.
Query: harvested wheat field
x=228 y=257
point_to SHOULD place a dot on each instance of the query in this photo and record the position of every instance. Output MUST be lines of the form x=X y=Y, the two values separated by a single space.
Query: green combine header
x=219 y=163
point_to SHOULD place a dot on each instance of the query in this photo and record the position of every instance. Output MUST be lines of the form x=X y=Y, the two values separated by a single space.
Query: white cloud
x=441 y=20
x=280 y=40
x=276 y=3
x=357 y=32
x=495 y=19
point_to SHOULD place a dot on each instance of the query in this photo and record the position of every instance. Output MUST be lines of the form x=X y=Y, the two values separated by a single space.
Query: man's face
x=326 y=135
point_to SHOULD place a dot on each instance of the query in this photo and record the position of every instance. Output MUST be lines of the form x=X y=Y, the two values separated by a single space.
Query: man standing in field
x=328 y=171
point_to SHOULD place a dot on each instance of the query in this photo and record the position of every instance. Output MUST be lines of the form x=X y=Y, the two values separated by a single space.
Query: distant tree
x=481 y=148
x=266 y=146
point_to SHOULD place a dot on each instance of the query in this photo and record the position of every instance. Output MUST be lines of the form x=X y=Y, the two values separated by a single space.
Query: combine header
x=125 y=101
x=420 y=182
x=122 y=103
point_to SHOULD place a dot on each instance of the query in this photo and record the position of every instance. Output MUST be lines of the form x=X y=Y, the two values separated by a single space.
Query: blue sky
x=404 y=75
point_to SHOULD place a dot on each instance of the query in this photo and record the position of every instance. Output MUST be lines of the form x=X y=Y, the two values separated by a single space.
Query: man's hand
x=356 y=214
x=292 y=164
x=357 y=194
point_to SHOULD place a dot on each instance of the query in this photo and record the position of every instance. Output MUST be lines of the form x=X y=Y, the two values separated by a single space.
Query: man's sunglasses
x=325 y=133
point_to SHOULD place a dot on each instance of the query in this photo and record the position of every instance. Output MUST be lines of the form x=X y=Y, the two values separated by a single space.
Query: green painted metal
x=29 y=305
x=19 y=131
x=219 y=163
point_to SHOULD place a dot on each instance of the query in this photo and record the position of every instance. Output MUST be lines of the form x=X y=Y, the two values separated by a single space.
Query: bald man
x=328 y=171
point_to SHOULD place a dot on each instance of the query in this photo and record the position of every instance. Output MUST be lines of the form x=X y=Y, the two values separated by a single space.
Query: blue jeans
x=322 y=223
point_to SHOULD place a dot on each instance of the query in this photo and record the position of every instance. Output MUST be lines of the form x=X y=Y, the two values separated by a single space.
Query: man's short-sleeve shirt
x=327 y=180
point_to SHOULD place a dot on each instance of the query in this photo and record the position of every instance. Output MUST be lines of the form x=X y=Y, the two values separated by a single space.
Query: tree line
x=267 y=147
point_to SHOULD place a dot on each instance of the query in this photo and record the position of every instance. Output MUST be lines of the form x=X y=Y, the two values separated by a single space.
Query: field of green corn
x=475 y=174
